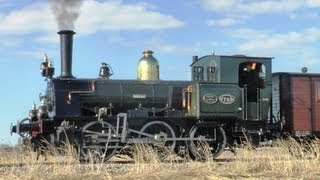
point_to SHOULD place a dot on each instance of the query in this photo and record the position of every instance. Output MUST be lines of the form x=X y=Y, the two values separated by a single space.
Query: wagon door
x=301 y=105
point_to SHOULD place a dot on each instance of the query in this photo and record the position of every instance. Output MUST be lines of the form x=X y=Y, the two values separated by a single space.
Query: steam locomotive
x=228 y=97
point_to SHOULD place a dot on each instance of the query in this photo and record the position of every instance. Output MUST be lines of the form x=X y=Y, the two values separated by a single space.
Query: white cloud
x=157 y=44
x=169 y=48
x=95 y=16
x=248 y=34
x=254 y=7
x=32 y=18
x=313 y=3
x=48 y=38
x=29 y=26
x=224 y=22
x=115 y=15
x=241 y=11
x=302 y=47
x=258 y=41
x=10 y=42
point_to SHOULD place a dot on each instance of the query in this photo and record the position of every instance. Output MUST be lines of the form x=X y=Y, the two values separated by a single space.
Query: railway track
x=116 y=160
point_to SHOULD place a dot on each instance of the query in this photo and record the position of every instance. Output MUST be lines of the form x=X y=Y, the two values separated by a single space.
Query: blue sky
x=117 y=32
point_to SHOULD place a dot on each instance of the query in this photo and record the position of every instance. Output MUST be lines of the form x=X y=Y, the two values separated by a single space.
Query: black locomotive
x=228 y=97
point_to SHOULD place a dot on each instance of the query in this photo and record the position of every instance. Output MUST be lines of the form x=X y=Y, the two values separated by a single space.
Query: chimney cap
x=66 y=32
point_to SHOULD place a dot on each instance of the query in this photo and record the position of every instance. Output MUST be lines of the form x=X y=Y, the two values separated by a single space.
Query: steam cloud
x=66 y=12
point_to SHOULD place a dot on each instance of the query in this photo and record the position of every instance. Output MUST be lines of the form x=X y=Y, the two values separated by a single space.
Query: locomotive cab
x=232 y=87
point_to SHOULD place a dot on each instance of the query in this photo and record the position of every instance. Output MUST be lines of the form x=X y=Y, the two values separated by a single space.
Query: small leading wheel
x=161 y=136
x=208 y=142
x=99 y=143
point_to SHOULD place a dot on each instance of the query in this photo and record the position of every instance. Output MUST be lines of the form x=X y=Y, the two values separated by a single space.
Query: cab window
x=252 y=74
x=198 y=73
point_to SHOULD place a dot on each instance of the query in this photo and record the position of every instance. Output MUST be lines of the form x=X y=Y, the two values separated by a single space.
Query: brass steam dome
x=148 y=67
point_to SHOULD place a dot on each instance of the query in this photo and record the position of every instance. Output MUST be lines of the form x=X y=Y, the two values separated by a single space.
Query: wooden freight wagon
x=296 y=102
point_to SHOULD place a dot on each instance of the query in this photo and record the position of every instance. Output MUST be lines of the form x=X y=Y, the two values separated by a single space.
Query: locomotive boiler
x=226 y=98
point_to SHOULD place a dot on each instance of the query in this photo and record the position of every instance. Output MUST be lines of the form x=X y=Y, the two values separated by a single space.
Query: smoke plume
x=66 y=12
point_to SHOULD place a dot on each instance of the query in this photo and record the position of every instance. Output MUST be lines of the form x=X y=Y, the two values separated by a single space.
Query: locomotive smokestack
x=66 y=41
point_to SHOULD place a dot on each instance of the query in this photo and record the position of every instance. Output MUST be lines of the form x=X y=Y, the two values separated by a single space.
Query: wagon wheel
x=210 y=142
x=161 y=136
x=99 y=142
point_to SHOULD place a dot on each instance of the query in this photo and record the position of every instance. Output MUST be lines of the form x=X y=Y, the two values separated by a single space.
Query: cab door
x=252 y=81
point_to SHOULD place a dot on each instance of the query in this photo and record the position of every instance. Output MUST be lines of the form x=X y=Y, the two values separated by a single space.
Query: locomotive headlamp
x=46 y=68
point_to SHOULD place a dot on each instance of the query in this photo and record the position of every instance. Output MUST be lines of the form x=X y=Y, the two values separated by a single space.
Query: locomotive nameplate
x=210 y=98
x=139 y=96
x=227 y=99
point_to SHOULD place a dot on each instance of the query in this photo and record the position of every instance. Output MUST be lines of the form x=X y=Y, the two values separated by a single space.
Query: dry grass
x=288 y=159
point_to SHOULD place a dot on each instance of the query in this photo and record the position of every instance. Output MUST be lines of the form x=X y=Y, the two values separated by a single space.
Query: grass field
x=286 y=160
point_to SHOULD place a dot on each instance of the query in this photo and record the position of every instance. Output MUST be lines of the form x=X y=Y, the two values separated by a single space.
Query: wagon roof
x=296 y=74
